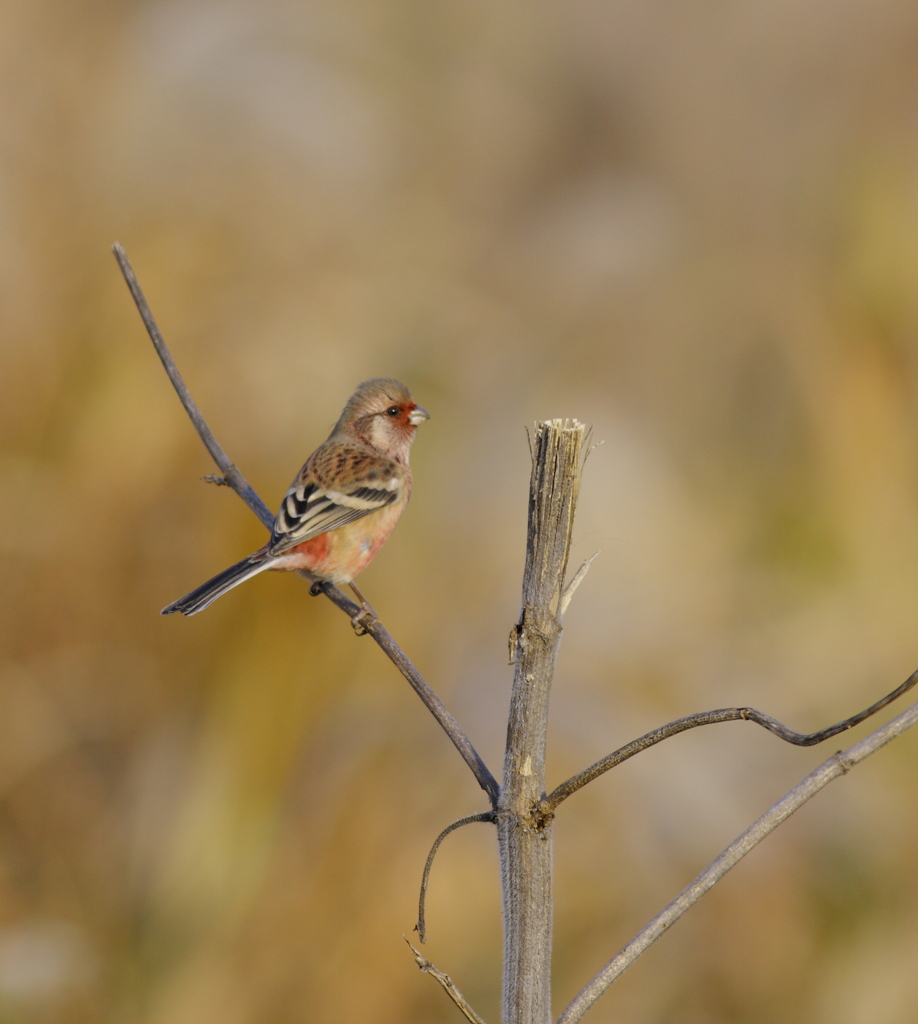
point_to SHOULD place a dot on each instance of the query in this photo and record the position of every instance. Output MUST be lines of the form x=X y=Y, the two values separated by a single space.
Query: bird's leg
x=363 y=601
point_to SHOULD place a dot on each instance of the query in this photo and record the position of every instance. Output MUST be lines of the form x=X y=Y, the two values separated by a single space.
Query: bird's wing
x=321 y=501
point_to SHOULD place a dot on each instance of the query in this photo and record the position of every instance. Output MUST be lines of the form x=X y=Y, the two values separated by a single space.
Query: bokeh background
x=693 y=226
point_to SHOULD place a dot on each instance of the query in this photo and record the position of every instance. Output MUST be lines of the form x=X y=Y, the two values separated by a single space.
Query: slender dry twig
x=574 y=583
x=421 y=687
x=232 y=475
x=241 y=486
x=800 y=739
x=838 y=764
x=433 y=704
x=421 y=926
x=448 y=985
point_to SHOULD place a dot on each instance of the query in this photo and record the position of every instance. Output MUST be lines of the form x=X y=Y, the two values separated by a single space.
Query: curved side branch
x=233 y=478
x=650 y=739
x=421 y=926
x=836 y=765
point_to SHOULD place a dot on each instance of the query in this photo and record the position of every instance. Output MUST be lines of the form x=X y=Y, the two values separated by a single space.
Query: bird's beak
x=418 y=415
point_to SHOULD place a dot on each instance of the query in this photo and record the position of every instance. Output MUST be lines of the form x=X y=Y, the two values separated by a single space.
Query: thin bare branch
x=650 y=739
x=241 y=486
x=448 y=986
x=435 y=706
x=421 y=687
x=838 y=764
x=232 y=475
x=421 y=926
x=574 y=584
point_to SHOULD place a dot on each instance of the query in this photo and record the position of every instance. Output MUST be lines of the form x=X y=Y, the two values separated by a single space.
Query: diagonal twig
x=800 y=739
x=420 y=686
x=568 y=591
x=241 y=486
x=421 y=926
x=838 y=764
x=232 y=475
x=448 y=985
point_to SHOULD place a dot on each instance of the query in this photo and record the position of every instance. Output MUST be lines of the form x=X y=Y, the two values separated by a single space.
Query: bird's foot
x=363 y=620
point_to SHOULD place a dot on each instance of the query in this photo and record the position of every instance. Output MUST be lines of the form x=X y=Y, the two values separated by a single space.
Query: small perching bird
x=344 y=502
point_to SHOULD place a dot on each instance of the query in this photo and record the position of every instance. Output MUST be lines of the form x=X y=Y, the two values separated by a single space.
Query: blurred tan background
x=691 y=225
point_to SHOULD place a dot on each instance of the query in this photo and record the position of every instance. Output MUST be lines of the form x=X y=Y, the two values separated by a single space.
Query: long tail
x=202 y=596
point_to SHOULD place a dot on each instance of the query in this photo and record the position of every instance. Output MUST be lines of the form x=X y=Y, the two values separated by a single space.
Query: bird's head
x=382 y=413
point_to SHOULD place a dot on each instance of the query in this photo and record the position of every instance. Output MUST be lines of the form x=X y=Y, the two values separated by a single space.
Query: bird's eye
x=393 y=410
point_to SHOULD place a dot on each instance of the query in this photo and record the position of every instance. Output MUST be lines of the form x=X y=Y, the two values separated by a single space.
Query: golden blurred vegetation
x=693 y=226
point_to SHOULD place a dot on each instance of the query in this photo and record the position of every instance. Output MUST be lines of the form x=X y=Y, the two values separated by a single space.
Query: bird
x=343 y=503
